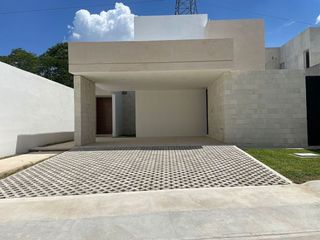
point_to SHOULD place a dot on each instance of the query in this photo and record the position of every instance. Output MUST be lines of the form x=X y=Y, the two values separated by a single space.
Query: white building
x=188 y=76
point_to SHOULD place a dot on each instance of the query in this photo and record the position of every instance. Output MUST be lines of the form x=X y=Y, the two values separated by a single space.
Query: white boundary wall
x=34 y=111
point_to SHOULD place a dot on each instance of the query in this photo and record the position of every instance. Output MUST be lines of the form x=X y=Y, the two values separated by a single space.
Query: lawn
x=298 y=170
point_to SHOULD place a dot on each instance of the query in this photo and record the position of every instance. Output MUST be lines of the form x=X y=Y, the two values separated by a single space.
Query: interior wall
x=34 y=111
x=171 y=113
x=124 y=113
x=129 y=113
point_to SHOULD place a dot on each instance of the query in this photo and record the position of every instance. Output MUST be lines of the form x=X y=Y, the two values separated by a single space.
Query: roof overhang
x=151 y=64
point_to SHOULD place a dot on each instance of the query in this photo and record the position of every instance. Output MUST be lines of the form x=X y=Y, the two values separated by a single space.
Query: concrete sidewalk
x=271 y=212
x=16 y=163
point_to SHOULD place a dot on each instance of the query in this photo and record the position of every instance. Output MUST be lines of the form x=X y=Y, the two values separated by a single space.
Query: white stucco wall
x=34 y=111
x=171 y=113
x=171 y=27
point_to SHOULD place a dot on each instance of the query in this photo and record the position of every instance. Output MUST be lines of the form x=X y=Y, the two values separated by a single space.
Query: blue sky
x=37 y=30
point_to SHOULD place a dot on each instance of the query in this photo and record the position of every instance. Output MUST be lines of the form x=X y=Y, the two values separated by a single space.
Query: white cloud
x=114 y=25
x=318 y=20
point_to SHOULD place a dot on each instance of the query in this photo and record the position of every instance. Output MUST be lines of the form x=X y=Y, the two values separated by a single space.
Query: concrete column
x=85 y=111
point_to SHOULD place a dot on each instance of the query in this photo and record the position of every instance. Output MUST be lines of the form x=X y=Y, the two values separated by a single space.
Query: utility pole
x=186 y=7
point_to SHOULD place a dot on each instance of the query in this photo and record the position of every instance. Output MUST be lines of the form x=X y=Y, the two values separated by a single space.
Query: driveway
x=139 y=168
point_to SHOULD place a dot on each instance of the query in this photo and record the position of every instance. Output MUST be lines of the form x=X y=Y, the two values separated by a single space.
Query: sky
x=36 y=25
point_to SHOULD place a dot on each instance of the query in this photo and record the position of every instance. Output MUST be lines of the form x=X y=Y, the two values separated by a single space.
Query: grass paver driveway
x=139 y=168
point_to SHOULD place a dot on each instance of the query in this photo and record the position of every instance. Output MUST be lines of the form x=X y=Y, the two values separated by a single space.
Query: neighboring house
x=302 y=52
x=34 y=112
x=187 y=76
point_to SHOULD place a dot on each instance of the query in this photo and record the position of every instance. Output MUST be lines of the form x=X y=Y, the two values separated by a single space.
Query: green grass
x=298 y=170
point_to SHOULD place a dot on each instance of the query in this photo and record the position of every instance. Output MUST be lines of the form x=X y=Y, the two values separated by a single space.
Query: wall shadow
x=26 y=142
x=135 y=148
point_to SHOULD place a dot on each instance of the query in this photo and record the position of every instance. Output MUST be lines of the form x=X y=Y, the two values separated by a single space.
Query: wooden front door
x=104 y=115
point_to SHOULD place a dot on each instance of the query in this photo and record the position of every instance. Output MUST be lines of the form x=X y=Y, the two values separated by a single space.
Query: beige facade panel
x=216 y=109
x=260 y=109
x=150 y=56
x=85 y=111
x=171 y=113
x=248 y=38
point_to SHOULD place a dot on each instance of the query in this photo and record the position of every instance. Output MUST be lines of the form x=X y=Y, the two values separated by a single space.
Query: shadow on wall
x=27 y=142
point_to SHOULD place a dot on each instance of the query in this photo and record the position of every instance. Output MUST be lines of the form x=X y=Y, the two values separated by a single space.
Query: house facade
x=186 y=75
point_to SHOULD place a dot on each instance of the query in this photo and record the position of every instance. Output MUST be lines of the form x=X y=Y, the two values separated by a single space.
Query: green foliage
x=22 y=59
x=282 y=160
x=53 y=64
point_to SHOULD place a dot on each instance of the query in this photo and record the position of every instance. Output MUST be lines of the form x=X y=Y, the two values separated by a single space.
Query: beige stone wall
x=216 y=110
x=263 y=109
x=272 y=58
x=166 y=113
x=85 y=111
x=248 y=41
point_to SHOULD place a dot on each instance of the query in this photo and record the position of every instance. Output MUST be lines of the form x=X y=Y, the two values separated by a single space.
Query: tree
x=53 y=64
x=22 y=59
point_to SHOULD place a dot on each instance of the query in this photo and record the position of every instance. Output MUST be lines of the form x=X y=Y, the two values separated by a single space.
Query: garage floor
x=139 y=168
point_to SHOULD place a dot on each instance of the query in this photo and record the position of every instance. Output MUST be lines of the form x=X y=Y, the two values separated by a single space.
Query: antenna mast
x=186 y=7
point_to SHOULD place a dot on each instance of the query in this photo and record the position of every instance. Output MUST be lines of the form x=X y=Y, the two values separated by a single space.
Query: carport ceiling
x=154 y=80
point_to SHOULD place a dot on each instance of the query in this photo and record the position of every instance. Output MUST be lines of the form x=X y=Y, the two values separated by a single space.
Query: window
x=306 y=59
x=282 y=65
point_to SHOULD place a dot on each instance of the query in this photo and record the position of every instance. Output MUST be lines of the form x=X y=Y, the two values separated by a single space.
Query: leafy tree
x=53 y=64
x=22 y=59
